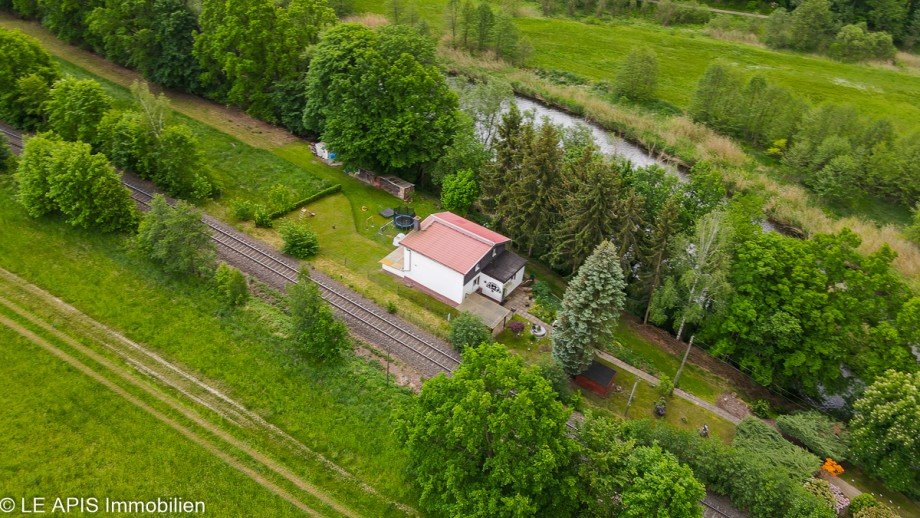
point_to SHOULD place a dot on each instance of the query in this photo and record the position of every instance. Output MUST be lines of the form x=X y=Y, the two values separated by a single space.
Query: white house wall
x=494 y=295
x=434 y=276
x=514 y=282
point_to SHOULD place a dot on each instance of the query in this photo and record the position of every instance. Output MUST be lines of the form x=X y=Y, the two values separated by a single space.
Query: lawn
x=344 y=411
x=62 y=436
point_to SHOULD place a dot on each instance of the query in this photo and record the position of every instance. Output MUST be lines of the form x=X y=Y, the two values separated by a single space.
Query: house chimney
x=416 y=222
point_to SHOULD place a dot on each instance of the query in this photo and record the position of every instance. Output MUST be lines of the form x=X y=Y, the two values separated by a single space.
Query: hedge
x=757 y=438
x=817 y=432
x=750 y=481
x=310 y=199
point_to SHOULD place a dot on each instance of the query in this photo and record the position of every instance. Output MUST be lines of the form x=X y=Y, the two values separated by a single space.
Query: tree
x=452 y=19
x=25 y=68
x=67 y=177
x=377 y=104
x=315 y=331
x=660 y=486
x=231 y=286
x=485 y=102
x=75 y=108
x=485 y=21
x=856 y=43
x=836 y=181
x=655 y=250
x=883 y=436
x=179 y=165
x=529 y=211
x=465 y=152
x=812 y=25
x=245 y=47
x=590 y=212
x=506 y=39
x=299 y=241
x=128 y=142
x=176 y=238
x=459 y=191
x=66 y=18
x=699 y=275
x=467 y=330
x=590 y=310
x=603 y=471
x=490 y=440
x=637 y=79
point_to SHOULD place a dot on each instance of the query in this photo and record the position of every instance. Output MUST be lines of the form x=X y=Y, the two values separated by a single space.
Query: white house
x=452 y=257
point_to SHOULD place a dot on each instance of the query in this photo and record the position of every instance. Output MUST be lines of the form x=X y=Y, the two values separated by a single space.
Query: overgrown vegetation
x=817 y=432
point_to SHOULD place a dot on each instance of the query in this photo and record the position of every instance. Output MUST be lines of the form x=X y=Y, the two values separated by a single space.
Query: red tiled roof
x=452 y=241
x=473 y=228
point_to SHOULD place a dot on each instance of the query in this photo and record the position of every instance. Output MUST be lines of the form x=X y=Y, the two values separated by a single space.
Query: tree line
x=377 y=96
x=830 y=148
x=479 y=28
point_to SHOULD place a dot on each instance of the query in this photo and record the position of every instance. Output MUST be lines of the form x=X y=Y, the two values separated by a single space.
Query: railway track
x=364 y=316
x=13 y=138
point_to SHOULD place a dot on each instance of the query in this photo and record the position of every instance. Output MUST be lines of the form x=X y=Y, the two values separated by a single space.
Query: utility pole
x=631 y=395
x=684 y=361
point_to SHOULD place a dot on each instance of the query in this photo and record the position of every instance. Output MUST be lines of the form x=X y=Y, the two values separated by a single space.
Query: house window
x=476 y=281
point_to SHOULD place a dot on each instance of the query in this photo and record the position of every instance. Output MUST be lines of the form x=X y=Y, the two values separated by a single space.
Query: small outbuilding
x=598 y=379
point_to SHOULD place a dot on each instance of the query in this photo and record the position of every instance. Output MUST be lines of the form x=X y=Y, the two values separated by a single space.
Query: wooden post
x=684 y=360
x=631 y=395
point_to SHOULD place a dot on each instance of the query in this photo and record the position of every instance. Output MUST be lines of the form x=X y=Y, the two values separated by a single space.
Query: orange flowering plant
x=832 y=467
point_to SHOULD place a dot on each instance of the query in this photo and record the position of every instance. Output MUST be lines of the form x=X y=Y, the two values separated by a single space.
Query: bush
x=681 y=13
x=759 y=439
x=26 y=75
x=299 y=241
x=665 y=386
x=860 y=502
x=761 y=408
x=243 y=210
x=637 y=79
x=467 y=330
x=856 y=43
x=316 y=333
x=261 y=217
x=817 y=432
x=6 y=156
x=391 y=307
x=878 y=511
x=516 y=327
x=821 y=489
x=232 y=288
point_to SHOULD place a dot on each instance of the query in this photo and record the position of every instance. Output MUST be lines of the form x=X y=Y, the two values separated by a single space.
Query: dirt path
x=230 y=120
x=207 y=445
x=189 y=414
x=202 y=392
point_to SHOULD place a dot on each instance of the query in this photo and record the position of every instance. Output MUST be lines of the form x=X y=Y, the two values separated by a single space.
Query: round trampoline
x=404 y=218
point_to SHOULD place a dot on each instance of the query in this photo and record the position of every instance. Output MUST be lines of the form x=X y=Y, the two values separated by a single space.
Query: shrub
x=761 y=440
x=878 y=511
x=665 y=386
x=6 y=156
x=638 y=76
x=459 y=191
x=467 y=330
x=821 y=489
x=299 y=241
x=261 y=217
x=860 y=502
x=391 y=307
x=761 y=408
x=558 y=379
x=243 y=210
x=856 y=43
x=815 y=431
x=25 y=69
x=516 y=327
x=232 y=288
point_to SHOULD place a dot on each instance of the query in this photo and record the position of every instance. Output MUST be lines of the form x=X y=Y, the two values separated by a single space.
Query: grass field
x=595 y=51
x=343 y=412
x=100 y=446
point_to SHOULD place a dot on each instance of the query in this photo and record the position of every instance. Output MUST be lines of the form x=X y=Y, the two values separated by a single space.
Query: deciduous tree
x=25 y=68
x=883 y=431
x=637 y=78
x=231 y=285
x=459 y=191
x=315 y=331
x=75 y=108
x=176 y=239
x=490 y=440
x=467 y=330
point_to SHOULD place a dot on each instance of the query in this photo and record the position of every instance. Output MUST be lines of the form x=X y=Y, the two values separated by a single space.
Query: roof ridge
x=464 y=231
